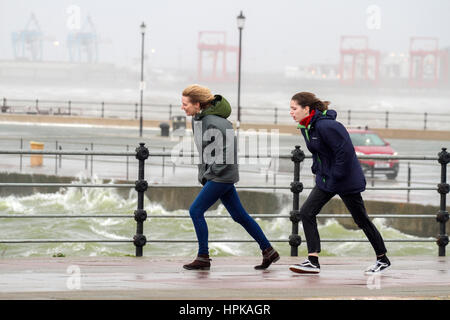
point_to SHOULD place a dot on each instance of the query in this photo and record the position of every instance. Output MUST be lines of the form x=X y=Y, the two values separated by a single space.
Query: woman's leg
x=231 y=201
x=209 y=194
x=355 y=205
x=308 y=212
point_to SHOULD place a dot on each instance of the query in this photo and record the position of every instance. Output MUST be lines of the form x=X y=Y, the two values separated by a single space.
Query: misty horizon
x=290 y=33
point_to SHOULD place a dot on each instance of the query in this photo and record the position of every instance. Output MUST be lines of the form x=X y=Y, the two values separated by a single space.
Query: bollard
x=165 y=128
x=36 y=160
x=443 y=189
x=296 y=187
x=140 y=215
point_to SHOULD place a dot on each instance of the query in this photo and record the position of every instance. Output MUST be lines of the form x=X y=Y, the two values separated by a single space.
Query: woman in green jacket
x=217 y=172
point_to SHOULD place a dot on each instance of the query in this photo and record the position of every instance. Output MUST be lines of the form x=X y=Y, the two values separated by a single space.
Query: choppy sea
x=108 y=201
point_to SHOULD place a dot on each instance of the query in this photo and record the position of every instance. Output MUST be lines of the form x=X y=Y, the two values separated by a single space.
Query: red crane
x=358 y=62
x=214 y=43
x=424 y=56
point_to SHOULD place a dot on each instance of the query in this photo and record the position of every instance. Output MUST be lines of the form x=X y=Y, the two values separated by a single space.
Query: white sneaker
x=378 y=267
x=305 y=267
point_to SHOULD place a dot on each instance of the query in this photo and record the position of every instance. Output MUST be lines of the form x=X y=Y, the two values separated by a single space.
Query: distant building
x=394 y=65
x=316 y=72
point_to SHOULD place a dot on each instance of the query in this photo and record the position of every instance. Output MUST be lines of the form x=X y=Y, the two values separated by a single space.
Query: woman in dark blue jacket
x=337 y=171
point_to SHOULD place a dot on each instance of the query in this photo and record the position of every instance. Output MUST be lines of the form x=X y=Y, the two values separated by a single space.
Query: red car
x=368 y=142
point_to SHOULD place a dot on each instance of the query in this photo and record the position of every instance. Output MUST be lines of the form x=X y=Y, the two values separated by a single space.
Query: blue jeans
x=226 y=192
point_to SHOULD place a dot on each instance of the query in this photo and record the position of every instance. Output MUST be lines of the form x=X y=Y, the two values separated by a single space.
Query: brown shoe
x=269 y=256
x=202 y=262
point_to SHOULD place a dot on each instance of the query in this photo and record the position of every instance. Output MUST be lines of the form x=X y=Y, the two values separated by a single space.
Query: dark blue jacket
x=335 y=164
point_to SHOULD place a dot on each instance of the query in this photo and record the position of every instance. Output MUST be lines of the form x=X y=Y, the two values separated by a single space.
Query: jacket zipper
x=307 y=137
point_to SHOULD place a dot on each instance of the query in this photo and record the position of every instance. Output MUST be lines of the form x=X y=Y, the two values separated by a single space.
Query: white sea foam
x=108 y=200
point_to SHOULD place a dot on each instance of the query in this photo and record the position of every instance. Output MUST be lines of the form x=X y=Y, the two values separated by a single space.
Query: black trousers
x=354 y=203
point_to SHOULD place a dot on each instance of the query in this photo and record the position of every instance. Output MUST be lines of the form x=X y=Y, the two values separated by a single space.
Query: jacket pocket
x=330 y=184
x=218 y=169
x=201 y=172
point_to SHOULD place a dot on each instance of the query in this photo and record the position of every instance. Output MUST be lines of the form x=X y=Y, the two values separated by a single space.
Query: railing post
x=60 y=158
x=4 y=106
x=296 y=187
x=103 y=109
x=425 y=121
x=140 y=215
x=70 y=108
x=387 y=120
x=163 y=166
x=274 y=173
x=276 y=115
x=56 y=158
x=86 y=160
x=409 y=180
x=21 y=147
x=92 y=161
x=349 y=117
x=372 y=174
x=128 y=162
x=443 y=189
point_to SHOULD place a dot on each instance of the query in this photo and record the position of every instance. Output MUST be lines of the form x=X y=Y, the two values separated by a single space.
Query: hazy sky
x=276 y=33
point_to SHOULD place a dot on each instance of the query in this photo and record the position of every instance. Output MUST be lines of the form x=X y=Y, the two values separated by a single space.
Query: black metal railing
x=249 y=114
x=296 y=187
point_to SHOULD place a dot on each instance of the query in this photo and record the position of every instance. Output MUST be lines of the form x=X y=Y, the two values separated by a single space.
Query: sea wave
x=109 y=201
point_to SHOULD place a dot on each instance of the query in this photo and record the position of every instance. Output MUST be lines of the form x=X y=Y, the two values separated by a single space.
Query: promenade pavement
x=230 y=278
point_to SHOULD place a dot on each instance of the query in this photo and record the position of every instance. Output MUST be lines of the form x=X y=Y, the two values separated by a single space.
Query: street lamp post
x=141 y=86
x=240 y=25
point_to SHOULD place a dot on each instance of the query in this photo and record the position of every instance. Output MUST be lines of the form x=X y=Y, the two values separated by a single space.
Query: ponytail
x=309 y=99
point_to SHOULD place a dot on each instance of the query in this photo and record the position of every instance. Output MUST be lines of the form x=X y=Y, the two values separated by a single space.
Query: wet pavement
x=230 y=278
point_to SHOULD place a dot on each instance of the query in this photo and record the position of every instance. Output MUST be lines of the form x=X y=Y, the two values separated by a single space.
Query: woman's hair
x=309 y=99
x=197 y=93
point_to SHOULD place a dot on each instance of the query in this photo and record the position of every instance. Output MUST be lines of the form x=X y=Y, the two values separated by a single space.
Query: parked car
x=368 y=142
